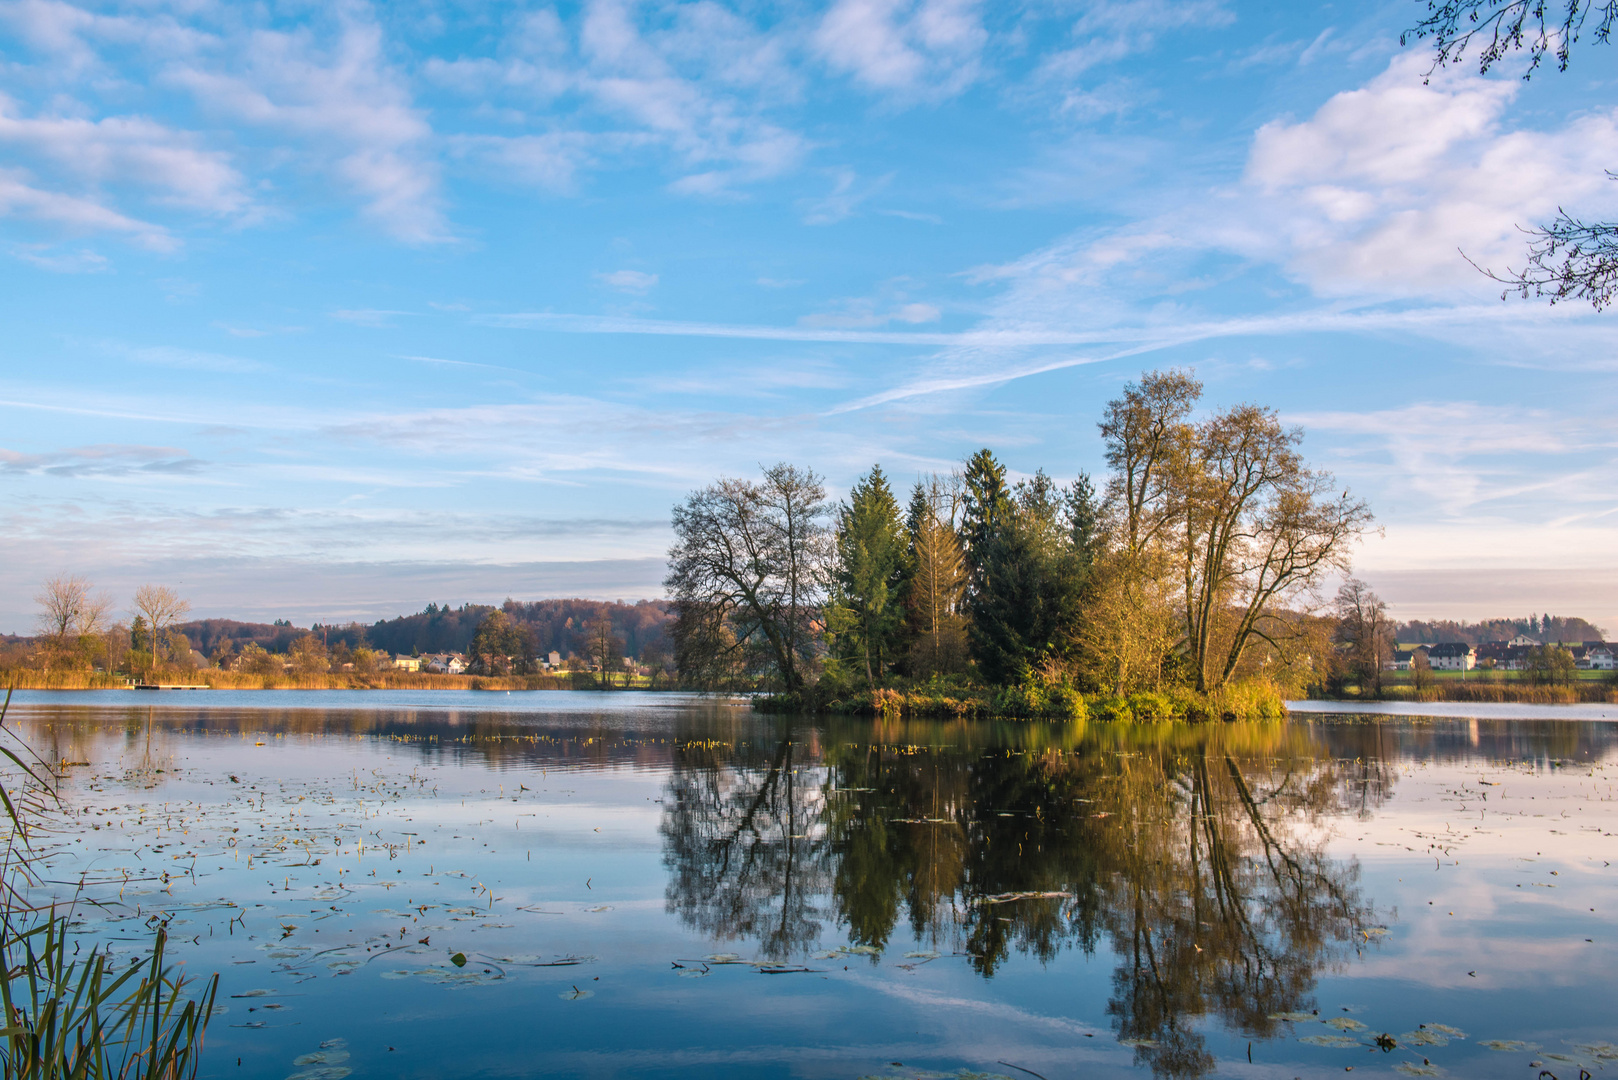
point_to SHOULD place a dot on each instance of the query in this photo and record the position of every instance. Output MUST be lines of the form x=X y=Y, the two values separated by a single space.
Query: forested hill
x=556 y=625
x=1541 y=628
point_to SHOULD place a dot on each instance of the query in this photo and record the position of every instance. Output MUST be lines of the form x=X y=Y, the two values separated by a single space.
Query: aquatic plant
x=69 y=1018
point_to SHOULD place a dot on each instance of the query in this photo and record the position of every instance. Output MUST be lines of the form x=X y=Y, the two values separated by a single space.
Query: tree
x=746 y=576
x=1421 y=672
x=604 y=648
x=935 y=584
x=1362 y=630
x=160 y=606
x=1549 y=665
x=1145 y=433
x=1569 y=259
x=1027 y=583
x=497 y=646
x=868 y=575
x=308 y=656
x=68 y=611
x=1257 y=527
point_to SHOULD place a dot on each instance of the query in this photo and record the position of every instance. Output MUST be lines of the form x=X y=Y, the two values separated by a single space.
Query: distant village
x=1513 y=655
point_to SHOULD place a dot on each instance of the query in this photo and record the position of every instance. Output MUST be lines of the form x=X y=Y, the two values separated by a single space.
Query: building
x=1401 y=660
x=1452 y=656
x=1523 y=641
x=406 y=663
x=555 y=659
x=444 y=663
x=1594 y=656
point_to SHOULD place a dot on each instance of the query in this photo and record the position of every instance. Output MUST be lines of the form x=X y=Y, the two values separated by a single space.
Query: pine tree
x=869 y=576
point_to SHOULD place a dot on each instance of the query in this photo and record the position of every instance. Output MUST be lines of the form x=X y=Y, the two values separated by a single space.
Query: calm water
x=666 y=886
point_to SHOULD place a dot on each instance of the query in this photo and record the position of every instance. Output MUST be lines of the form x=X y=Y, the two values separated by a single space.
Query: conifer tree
x=869 y=576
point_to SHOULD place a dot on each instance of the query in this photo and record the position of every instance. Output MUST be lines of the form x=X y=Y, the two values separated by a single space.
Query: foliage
x=500 y=647
x=1549 y=665
x=1026 y=576
x=868 y=574
x=936 y=583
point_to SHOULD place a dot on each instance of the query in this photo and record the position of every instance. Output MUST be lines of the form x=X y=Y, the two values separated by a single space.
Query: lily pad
x=1410 y=1068
x=1344 y=1023
x=1294 y=1017
x=1423 y=1037
x=401 y=974
x=459 y=960
x=1338 y=1041
x=927 y=954
x=1511 y=1046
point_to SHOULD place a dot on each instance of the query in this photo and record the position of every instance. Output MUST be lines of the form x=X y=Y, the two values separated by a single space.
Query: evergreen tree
x=869 y=576
x=1027 y=573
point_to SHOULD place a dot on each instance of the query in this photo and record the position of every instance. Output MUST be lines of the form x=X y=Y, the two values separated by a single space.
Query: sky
x=328 y=311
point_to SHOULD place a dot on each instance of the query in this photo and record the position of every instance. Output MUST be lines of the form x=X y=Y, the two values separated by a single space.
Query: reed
x=79 y=1018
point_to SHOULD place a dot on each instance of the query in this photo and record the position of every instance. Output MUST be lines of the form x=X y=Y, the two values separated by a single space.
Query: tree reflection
x=745 y=845
x=1198 y=854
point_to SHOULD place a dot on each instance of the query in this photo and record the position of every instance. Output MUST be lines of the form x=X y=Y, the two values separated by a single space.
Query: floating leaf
x=928 y=954
x=396 y=974
x=1410 y=1068
x=1424 y=1037
x=1294 y=1017
x=333 y=1056
x=1339 y=1041
x=1445 y=1029
x=1602 y=1051
x=459 y=960
x=1344 y=1023
x=1509 y=1045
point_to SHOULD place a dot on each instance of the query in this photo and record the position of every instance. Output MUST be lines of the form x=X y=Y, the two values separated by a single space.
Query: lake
x=461 y=884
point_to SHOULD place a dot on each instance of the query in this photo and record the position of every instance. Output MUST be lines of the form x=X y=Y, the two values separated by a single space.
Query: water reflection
x=1197 y=853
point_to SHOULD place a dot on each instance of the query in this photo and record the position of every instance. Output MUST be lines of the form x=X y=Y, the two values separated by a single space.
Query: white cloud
x=374 y=318
x=75 y=214
x=1383 y=187
x=629 y=281
x=352 y=108
x=905 y=46
x=130 y=149
x=83 y=261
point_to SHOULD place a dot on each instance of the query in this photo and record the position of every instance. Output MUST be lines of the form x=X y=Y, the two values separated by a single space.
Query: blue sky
x=328 y=310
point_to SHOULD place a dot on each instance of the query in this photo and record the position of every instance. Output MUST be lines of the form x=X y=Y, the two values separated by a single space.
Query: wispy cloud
x=630 y=281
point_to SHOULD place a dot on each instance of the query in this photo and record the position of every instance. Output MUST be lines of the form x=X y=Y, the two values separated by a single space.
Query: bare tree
x=161 y=607
x=747 y=574
x=1363 y=629
x=69 y=610
x=604 y=648
x=1569 y=259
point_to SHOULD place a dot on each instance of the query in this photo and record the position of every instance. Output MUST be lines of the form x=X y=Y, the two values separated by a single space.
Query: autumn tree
x=747 y=577
x=500 y=646
x=935 y=583
x=308 y=656
x=864 y=610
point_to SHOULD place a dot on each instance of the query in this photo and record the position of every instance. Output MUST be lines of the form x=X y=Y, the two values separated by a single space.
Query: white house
x=406 y=663
x=1522 y=641
x=444 y=663
x=1598 y=656
x=1452 y=656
